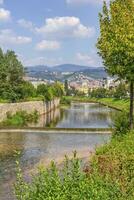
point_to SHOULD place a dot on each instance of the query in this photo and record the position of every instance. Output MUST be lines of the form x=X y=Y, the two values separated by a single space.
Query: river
x=41 y=148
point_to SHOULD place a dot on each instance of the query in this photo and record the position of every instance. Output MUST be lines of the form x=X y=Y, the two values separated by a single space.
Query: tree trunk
x=131 y=104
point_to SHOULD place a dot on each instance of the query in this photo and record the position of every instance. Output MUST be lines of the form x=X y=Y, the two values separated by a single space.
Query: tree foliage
x=11 y=75
x=50 y=91
x=119 y=92
x=66 y=87
x=116 y=42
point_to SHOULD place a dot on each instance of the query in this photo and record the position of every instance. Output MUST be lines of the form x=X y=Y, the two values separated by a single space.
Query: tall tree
x=3 y=69
x=66 y=87
x=116 y=42
x=11 y=75
x=14 y=67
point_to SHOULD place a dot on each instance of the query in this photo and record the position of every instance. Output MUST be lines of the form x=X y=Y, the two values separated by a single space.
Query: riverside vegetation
x=109 y=176
x=20 y=119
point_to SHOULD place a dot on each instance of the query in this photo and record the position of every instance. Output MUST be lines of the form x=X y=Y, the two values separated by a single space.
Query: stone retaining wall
x=40 y=106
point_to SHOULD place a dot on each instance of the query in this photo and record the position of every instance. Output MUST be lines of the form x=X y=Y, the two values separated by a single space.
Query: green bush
x=20 y=119
x=65 y=101
x=121 y=123
x=69 y=183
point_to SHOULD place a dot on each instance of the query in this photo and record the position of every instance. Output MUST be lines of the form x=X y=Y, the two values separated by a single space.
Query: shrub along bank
x=20 y=119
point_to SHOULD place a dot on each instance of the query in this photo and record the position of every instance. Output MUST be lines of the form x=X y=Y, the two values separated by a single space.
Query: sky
x=51 y=32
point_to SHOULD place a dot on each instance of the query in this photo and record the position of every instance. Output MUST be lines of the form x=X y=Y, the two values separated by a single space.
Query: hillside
x=58 y=72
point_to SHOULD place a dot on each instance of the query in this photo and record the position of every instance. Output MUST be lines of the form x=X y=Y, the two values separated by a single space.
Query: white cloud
x=85 y=59
x=32 y=61
x=8 y=37
x=5 y=15
x=89 y=59
x=80 y=2
x=1 y=1
x=41 y=61
x=26 y=24
x=48 y=45
x=63 y=27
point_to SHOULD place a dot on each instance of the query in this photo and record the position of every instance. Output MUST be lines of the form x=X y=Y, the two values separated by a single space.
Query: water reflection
x=49 y=119
x=78 y=115
x=35 y=146
x=86 y=115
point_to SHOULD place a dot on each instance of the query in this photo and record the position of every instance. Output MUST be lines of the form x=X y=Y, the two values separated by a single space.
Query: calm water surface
x=86 y=115
x=38 y=148
x=78 y=115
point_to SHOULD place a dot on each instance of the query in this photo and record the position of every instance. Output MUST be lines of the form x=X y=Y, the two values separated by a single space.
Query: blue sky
x=51 y=32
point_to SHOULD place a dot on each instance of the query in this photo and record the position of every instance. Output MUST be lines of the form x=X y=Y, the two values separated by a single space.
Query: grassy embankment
x=121 y=104
x=110 y=176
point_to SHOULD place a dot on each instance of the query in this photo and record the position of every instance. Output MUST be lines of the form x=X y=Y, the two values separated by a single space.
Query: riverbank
x=110 y=175
x=41 y=107
x=119 y=104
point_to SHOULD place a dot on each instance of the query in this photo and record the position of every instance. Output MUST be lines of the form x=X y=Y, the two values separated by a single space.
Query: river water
x=41 y=148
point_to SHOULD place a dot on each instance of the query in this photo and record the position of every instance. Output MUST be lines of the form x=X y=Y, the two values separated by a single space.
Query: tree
x=46 y=91
x=15 y=69
x=58 y=89
x=66 y=87
x=26 y=90
x=98 y=93
x=116 y=42
x=11 y=75
x=120 y=91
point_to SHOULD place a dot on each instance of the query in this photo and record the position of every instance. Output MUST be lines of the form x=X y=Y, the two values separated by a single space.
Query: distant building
x=66 y=73
x=36 y=83
x=81 y=86
x=111 y=83
x=95 y=84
